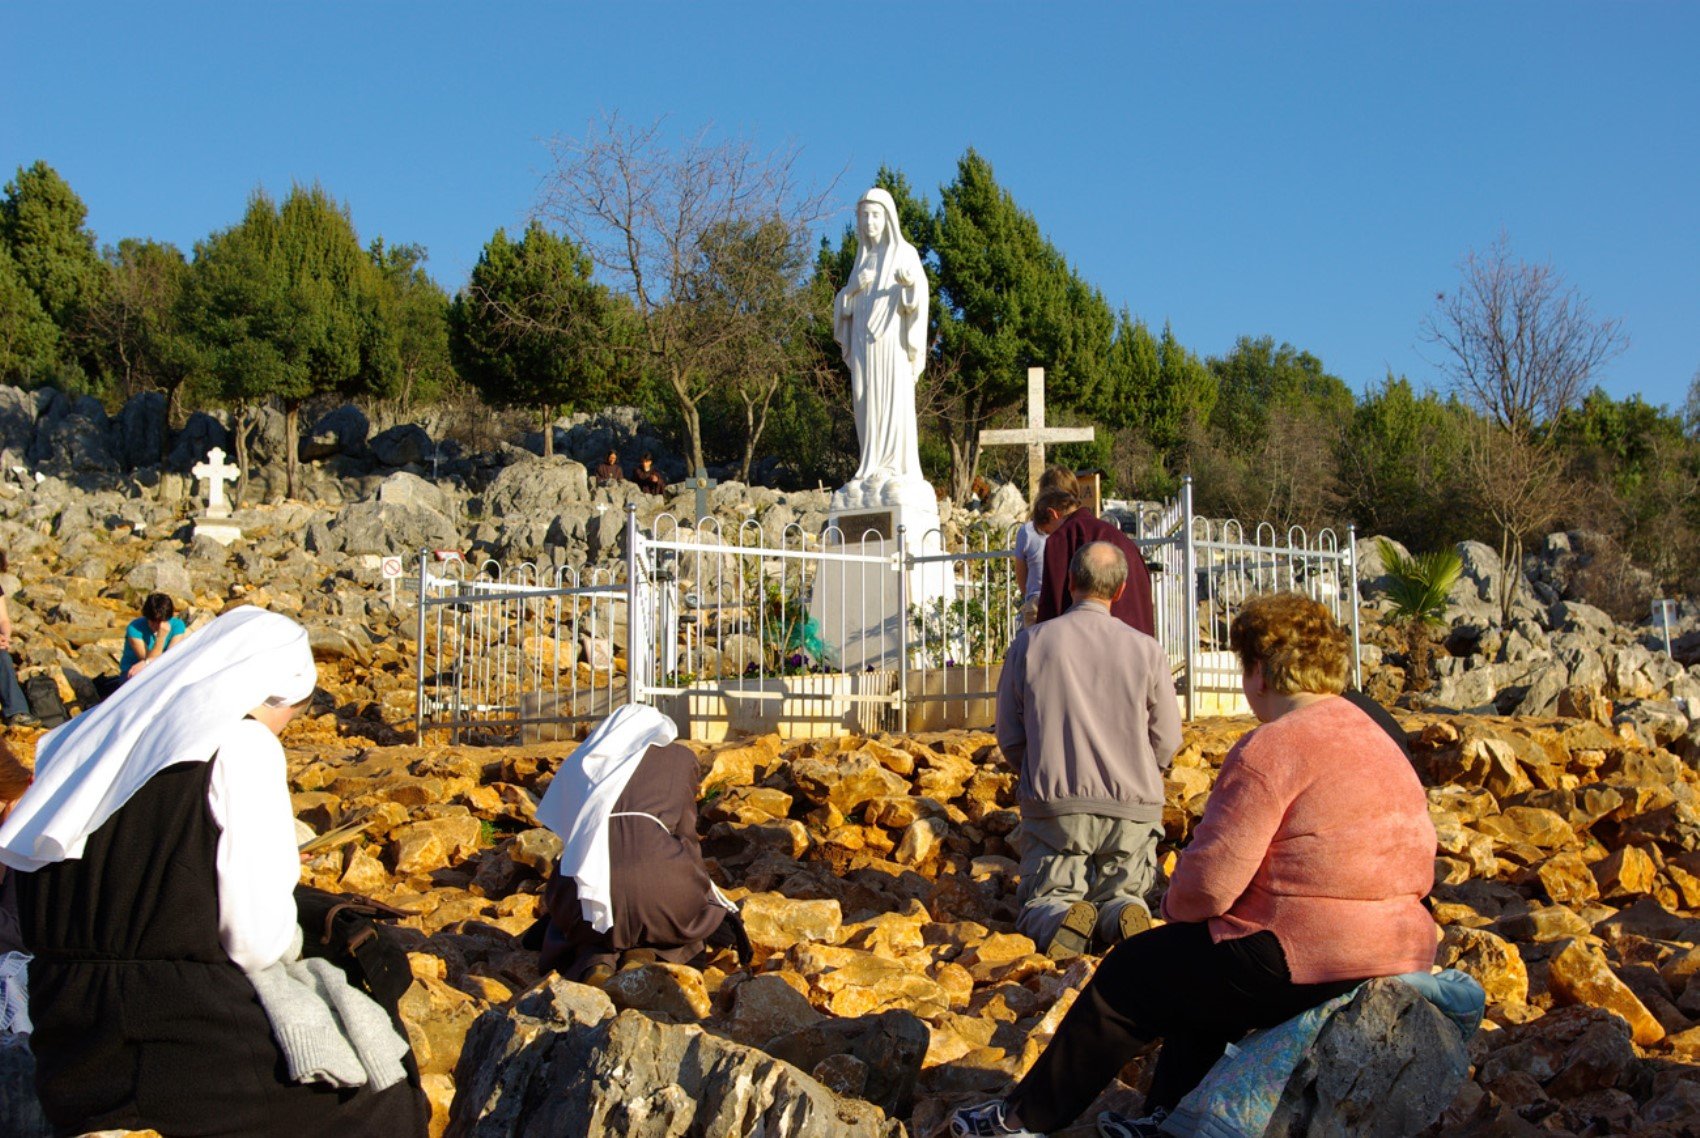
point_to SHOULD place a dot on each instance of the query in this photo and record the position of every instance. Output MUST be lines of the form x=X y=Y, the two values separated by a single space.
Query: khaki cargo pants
x=1110 y=862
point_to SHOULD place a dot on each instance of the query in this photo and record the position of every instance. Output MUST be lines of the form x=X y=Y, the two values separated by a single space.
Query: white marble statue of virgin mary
x=880 y=321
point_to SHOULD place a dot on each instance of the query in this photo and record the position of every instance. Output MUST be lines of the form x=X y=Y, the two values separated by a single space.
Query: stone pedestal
x=223 y=532
x=859 y=606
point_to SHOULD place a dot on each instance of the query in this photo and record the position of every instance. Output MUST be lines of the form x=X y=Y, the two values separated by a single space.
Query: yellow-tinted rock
x=437 y=1018
x=890 y=934
x=1627 y=872
x=440 y=1093
x=1580 y=975
x=1494 y=963
x=1567 y=879
x=922 y=841
x=775 y=922
x=898 y=812
x=363 y=873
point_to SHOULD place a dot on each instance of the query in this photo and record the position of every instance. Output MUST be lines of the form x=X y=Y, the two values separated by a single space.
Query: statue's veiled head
x=876 y=218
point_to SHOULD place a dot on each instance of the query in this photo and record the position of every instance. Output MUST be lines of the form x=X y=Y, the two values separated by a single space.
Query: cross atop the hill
x=702 y=484
x=1035 y=435
x=215 y=474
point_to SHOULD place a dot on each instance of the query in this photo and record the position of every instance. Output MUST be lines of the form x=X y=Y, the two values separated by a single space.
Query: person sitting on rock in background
x=1305 y=877
x=1069 y=525
x=648 y=478
x=1030 y=545
x=609 y=472
x=14 y=957
x=145 y=640
x=159 y=862
x=631 y=875
x=14 y=705
x=1087 y=716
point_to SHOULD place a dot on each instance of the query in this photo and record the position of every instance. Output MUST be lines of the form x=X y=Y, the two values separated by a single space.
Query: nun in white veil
x=880 y=322
x=158 y=866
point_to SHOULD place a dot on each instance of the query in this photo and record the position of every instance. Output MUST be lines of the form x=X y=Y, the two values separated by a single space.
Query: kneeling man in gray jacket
x=1087 y=717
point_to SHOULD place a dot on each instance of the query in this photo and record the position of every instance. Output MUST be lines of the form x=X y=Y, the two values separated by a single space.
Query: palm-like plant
x=1420 y=589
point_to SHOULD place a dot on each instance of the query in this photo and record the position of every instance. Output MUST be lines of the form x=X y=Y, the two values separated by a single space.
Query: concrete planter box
x=793 y=707
x=928 y=712
x=1216 y=689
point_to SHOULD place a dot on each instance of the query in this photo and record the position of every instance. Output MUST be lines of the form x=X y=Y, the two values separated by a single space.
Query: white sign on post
x=390 y=567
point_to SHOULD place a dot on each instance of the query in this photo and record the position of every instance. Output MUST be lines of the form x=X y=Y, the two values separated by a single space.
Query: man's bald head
x=1098 y=571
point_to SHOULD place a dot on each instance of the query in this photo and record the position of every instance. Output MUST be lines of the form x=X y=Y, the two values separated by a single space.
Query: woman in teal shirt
x=149 y=635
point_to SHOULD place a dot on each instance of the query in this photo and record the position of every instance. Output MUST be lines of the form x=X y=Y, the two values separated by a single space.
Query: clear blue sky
x=1308 y=171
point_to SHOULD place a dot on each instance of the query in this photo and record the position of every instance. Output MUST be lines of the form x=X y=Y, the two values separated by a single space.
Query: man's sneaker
x=986 y=1121
x=1113 y=1125
x=1135 y=919
x=1074 y=935
x=22 y=719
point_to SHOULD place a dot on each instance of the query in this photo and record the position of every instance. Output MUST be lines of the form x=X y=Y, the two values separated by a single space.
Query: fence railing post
x=1189 y=571
x=903 y=628
x=419 y=656
x=637 y=643
x=1352 y=600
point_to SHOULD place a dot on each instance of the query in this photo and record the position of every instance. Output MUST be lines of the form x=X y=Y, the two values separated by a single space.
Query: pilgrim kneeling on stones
x=159 y=863
x=1304 y=878
x=631 y=881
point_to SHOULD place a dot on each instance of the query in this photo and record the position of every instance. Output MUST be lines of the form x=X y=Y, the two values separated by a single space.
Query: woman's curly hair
x=1297 y=640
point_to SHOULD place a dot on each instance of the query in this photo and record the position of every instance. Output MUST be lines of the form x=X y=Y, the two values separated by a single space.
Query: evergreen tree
x=417 y=308
x=1130 y=376
x=1011 y=302
x=1401 y=466
x=289 y=306
x=29 y=340
x=531 y=329
x=1257 y=378
x=41 y=225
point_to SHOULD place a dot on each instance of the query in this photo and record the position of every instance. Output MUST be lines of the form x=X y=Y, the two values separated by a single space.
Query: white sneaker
x=986 y=1121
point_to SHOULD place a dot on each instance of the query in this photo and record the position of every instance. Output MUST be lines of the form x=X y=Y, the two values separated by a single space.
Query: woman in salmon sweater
x=1304 y=878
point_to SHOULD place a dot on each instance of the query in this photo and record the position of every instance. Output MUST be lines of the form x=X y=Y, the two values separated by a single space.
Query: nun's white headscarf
x=582 y=796
x=176 y=710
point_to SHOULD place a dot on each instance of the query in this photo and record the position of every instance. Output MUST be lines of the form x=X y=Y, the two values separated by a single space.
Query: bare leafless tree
x=1691 y=406
x=648 y=213
x=1520 y=345
x=1517 y=342
x=1517 y=480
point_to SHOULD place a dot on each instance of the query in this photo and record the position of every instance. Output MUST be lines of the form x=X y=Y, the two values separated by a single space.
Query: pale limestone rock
x=671 y=990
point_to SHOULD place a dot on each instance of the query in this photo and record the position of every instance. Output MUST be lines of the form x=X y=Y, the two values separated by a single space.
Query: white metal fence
x=505 y=648
x=734 y=629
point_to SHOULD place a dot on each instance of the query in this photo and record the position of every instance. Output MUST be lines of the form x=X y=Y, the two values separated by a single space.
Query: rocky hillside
x=878 y=884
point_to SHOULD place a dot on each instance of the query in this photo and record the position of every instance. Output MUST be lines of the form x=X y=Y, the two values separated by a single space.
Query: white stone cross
x=215 y=474
x=1035 y=435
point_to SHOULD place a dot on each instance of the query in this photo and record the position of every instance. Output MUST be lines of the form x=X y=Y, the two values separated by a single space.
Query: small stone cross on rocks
x=702 y=484
x=215 y=474
x=1035 y=435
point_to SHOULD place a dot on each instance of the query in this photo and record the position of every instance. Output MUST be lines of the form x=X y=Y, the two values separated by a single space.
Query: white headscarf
x=577 y=804
x=174 y=711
